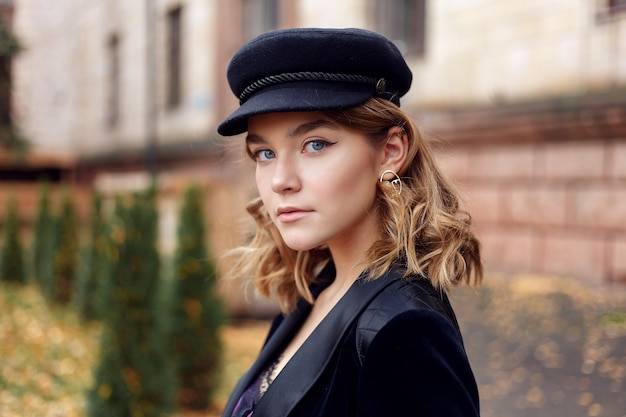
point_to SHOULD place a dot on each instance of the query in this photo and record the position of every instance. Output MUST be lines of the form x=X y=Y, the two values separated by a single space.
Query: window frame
x=174 y=54
x=267 y=10
x=392 y=19
x=114 y=80
x=609 y=10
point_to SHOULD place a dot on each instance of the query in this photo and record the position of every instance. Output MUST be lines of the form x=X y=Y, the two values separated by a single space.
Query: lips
x=291 y=214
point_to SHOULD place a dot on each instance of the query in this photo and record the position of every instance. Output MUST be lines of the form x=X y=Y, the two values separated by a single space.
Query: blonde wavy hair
x=423 y=225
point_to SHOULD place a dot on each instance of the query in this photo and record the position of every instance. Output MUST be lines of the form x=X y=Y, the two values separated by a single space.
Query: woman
x=359 y=235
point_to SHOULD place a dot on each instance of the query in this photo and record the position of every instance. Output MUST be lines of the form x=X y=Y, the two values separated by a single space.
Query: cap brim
x=293 y=97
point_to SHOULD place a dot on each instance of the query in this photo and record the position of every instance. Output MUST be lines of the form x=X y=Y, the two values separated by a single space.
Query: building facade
x=524 y=100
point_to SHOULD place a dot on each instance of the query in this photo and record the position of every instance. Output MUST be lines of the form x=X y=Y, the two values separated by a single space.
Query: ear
x=395 y=150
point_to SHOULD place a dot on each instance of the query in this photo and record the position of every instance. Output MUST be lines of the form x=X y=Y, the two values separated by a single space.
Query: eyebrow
x=309 y=126
x=302 y=129
x=252 y=139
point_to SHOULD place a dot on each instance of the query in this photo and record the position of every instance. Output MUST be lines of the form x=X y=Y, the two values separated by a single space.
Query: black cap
x=312 y=69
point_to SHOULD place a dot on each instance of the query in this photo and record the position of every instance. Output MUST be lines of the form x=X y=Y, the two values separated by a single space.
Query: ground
x=546 y=346
x=539 y=346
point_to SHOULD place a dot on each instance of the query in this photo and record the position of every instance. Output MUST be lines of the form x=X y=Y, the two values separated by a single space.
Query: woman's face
x=317 y=179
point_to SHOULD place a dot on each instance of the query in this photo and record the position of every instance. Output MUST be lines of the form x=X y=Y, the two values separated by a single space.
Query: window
x=5 y=88
x=610 y=10
x=616 y=6
x=174 y=58
x=402 y=21
x=113 y=105
x=259 y=16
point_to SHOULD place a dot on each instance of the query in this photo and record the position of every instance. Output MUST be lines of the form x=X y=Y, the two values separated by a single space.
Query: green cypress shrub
x=65 y=252
x=11 y=257
x=197 y=311
x=135 y=375
x=80 y=295
x=43 y=241
x=88 y=280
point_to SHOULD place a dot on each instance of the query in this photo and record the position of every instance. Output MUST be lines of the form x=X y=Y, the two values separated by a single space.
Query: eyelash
x=255 y=155
x=318 y=141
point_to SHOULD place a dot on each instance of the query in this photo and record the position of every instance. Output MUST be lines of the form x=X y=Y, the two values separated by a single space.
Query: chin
x=301 y=247
x=300 y=244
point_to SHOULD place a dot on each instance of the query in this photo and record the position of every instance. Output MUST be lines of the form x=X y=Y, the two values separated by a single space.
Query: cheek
x=263 y=186
x=262 y=177
x=349 y=180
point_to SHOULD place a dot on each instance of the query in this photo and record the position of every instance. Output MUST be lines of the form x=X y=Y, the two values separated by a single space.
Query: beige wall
x=478 y=51
x=490 y=51
x=61 y=79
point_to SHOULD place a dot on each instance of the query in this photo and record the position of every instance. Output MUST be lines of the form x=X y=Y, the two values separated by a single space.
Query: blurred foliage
x=546 y=345
x=135 y=375
x=10 y=136
x=9 y=44
x=197 y=311
x=11 y=256
x=43 y=241
x=89 y=277
x=159 y=332
x=12 y=139
x=65 y=251
x=46 y=355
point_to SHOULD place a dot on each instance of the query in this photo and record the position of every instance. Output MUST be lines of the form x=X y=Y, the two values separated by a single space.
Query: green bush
x=135 y=375
x=43 y=242
x=65 y=252
x=89 y=276
x=11 y=257
x=197 y=312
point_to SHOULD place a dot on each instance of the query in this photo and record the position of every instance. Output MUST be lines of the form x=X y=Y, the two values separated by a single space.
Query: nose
x=285 y=176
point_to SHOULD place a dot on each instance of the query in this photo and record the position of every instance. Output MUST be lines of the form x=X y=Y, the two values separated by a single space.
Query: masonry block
x=483 y=203
x=454 y=163
x=510 y=250
x=577 y=254
x=601 y=206
x=502 y=162
x=617 y=160
x=25 y=197
x=540 y=205
x=618 y=259
x=571 y=160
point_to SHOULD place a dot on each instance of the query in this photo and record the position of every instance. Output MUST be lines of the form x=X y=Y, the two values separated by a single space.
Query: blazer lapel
x=277 y=340
x=274 y=345
x=306 y=366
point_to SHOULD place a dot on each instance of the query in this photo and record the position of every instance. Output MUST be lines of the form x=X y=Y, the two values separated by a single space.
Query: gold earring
x=395 y=183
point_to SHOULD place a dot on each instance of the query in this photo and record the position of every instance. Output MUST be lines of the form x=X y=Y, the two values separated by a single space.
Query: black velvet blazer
x=390 y=347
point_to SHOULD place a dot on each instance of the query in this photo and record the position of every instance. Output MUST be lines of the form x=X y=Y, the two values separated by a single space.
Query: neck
x=345 y=275
x=349 y=260
x=348 y=251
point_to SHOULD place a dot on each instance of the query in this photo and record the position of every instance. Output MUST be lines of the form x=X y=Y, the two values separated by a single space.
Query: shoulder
x=420 y=330
x=411 y=298
x=416 y=363
x=406 y=294
x=412 y=355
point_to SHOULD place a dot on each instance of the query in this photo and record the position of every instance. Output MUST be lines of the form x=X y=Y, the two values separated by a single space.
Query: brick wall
x=543 y=200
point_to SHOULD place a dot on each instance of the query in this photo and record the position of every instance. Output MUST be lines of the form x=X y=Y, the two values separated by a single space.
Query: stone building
x=525 y=101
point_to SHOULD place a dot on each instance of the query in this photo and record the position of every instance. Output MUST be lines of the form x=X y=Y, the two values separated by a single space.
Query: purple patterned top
x=251 y=397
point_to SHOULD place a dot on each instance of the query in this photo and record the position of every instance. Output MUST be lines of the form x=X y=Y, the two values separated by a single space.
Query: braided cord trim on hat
x=303 y=76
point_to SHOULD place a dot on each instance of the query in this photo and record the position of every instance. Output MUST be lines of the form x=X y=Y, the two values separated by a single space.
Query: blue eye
x=264 y=155
x=315 y=145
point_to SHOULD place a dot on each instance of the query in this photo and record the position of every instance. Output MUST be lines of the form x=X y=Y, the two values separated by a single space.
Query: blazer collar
x=308 y=363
